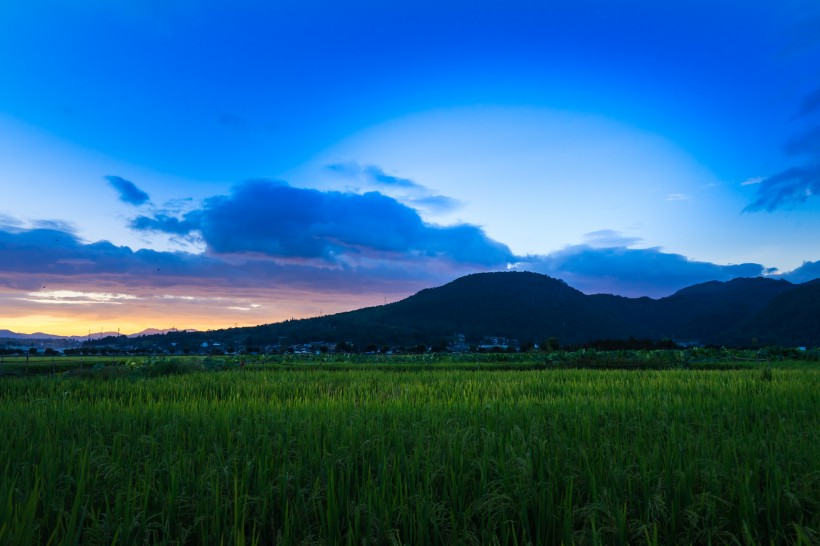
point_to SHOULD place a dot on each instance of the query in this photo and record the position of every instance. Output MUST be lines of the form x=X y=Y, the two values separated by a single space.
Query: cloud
x=753 y=181
x=609 y=238
x=47 y=260
x=279 y=221
x=9 y=222
x=678 y=197
x=48 y=275
x=58 y=225
x=250 y=307
x=796 y=184
x=129 y=192
x=54 y=269
x=806 y=272
x=74 y=297
x=165 y=224
x=435 y=203
x=788 y=188
x=632 y=272
x=373 y=175
x=404 y=190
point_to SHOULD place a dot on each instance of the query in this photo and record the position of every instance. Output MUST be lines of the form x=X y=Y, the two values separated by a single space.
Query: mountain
x=155 y=331
x=8 y=334
x=704 y=312
x=533 y=307
x=520 y=305
x=789 y=319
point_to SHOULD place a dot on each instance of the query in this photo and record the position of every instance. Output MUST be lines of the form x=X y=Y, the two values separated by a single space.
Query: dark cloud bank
x=267 y=234
x=276 y=220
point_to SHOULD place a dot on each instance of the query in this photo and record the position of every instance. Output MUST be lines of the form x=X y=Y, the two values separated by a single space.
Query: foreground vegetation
x=428 y=452
x=124 y=364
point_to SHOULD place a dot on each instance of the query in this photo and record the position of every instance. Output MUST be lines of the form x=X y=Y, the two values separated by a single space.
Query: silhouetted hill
x=699 y=313
x=533 y=307
x=520 y=305
x=704 y=312
x=789 y=319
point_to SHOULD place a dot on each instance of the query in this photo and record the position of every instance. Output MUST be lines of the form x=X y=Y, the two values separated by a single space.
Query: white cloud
x=250 y=307
x=73 y=297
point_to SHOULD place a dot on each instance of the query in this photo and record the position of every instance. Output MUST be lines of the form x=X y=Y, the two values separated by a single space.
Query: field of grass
x=343 y=453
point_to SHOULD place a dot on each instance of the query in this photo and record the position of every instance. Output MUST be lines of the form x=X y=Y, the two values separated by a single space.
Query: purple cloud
x=632 y=272
x=35 y=257
x=41 y=256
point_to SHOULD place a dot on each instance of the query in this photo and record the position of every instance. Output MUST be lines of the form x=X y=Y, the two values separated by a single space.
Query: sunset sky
x=205 y=164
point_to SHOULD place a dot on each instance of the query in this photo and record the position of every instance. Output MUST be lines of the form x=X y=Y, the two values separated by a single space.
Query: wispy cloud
x=129 y=192
x=435 y=203
x=788 y=188
x=73 y=297
x=753 y=181
x=678 y=197
x=799 y=183
x=372 y=174
x=404 y=190
x=251 y=307
x=608 y=238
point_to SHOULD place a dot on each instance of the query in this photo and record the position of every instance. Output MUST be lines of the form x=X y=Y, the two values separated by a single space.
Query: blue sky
x=212 y=163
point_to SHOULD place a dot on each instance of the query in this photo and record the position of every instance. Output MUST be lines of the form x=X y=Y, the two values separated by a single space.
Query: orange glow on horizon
x=180 y=312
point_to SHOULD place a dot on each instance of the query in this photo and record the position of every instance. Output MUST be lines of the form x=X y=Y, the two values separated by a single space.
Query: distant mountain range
x=8 y=334
x=532 y=307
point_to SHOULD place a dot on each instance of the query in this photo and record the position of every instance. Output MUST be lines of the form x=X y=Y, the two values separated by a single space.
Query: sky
x=207 y=164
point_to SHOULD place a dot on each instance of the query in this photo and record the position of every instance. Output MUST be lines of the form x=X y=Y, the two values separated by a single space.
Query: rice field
x=303 y=455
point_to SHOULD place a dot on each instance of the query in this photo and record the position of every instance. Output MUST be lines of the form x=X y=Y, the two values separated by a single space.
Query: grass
x=309 y=455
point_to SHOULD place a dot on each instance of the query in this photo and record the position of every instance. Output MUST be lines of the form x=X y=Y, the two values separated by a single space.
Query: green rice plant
x=297 y=455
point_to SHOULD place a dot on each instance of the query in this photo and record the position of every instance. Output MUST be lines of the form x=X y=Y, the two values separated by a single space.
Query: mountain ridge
x=532 y=307
x=8 y=334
